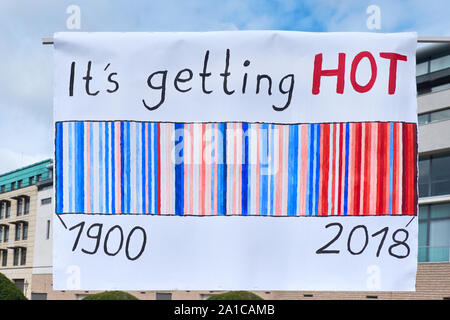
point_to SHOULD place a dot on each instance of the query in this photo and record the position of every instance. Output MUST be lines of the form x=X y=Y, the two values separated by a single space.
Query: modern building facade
x=18 y=217
x=26 y=209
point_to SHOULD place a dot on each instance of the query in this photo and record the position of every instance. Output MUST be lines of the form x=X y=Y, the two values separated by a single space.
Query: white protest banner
x=259 y=160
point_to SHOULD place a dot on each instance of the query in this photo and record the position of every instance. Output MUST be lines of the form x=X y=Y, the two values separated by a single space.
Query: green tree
x=8 y=290
x=110 y=295
x=236 y=295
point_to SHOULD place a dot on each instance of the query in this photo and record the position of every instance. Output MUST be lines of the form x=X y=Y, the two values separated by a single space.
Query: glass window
x=30 y=181
x=422 y=68
x=440 y=175
x=19 y=184
x=439 y=240
x=38 y=296
x=8 y=209
x=25 y=231
x=1 y=234
x=440 y=87
x=46 y=201
x=19 y=207
x=423 y=118
x=5 y=233
x=18 y=229
x=163 y=296
x=434 y=175
x=27 y=206
x=440 y=115
x=23 y=256
x=2 y=188
x=2 y=209
x=16 y=257
x=4 y=258
x=424 y=177
x=48 y=229
x=434 y=233
x=440 y=63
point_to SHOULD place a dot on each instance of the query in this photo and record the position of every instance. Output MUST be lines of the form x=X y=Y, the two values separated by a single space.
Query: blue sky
x=26 y=65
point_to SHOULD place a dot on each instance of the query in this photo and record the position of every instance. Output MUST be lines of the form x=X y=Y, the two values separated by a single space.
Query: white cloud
x=11 y=160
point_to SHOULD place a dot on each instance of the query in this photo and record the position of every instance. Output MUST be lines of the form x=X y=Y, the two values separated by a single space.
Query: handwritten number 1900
x=95 y=232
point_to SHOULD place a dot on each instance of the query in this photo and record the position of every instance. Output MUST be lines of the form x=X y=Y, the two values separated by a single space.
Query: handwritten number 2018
x=95 y=232
x=399 y=238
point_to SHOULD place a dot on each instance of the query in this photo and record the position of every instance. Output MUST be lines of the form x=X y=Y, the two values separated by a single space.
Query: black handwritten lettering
x=161 y=87
x=88 y=78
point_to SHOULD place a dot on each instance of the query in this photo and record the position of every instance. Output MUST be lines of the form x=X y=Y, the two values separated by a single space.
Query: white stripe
x=65 y=166
x=276 y=165
x=336 y=172
x=400 y=168
x=330 y=168
x=299 y=166
x=230 y=166
x=285 y=190
x=363 y=167
x=253 y=156
x=196 y=159
x=164 y=191
x=139 y=152
x=95 y=168
x=152 y=127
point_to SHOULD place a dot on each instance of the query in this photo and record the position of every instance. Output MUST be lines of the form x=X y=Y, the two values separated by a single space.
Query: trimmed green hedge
x=236 y=295
x=8 y=290
x=110 y=295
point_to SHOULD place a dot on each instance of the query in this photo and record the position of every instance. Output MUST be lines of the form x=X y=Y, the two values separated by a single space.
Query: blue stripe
x=212 y=155
x=222 y=171
x=150 y=163
x=107 y=167
x=292 y=170
x=143 y=166
x=113 y=170
x=100 y=161
x=59 y=167
x=391 y=164
x=91 y=162
x=139 y=175
x=317 y=174
x=244 y=191
x=155 y=167
x=122 y=168
x=263 y=169
x=272 y=167
x=128 y=167
x=71 y=172
x=310 y=171
x=79 y=167
x=179 y=170
x=347 y=144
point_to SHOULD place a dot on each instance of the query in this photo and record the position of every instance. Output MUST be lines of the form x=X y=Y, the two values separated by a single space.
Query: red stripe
x=381 y=168
x=341 y=155
x=333 y=168
x=395 y=184
x=158 y=139
x=405 y=181
x=324 y=168
x=367 y=158
x=357 y=171
x=414 y=182
x=202 y=172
